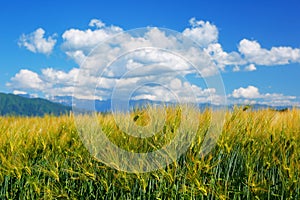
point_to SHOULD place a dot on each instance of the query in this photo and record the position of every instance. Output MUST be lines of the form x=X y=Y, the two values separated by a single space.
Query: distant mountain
x=11 y=104
x=64 y=100
x=105 y=105
x=102 y=105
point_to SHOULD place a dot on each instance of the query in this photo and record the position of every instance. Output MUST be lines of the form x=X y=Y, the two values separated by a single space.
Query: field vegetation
x=257 y=156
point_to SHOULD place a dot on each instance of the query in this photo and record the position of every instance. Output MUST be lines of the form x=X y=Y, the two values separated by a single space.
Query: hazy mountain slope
x=16 y=105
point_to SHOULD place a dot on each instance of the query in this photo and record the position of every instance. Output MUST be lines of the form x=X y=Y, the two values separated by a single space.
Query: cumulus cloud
x=81 y=43
x=132 y=60
x=19 y=92
x=254 y=53
x=57 y=77
x=250 y=68
x=249 y=92
x=37 y=43
x=96 y=23
x=223 y=58
x=76 y=39
x=204 y=33
x=251 y=95
x=50 y=82
x=26 y=80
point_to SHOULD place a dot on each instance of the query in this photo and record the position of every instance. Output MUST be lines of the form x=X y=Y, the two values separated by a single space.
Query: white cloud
x=249 y=92
x=76 y=39
x=82 y=42
x=251 y=95
x=78 y=56
x=37 y=43
x=19 y=92
x=275 y=96
x=236 y=69
x=57 y=77
x=254 y=53
x=154 y=61
x=152 y=55
x=96 y=23
x=250 y=67
x=175 y=90
x=204 y=33
x=223 y=58
x=156 y=37
x=25 y=80
x=131 y=64
x=50 y=82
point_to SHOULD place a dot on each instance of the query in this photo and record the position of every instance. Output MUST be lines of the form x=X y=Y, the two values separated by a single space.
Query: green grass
x=257 y=156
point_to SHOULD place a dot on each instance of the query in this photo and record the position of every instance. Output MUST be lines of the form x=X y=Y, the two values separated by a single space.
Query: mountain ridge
x=16 y=105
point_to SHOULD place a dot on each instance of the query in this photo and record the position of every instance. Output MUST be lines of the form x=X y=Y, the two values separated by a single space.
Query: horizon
x=136 y=104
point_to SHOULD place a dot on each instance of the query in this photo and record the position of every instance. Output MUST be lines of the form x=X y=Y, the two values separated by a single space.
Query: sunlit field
x=257 y=156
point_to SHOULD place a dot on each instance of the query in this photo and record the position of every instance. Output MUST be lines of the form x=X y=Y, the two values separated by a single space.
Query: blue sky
x=274 y=75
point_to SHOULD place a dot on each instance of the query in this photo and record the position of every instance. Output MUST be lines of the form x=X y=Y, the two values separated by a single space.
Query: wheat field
x=257 y=156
